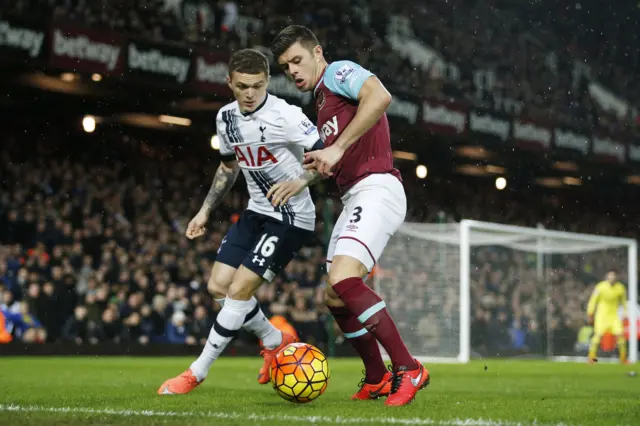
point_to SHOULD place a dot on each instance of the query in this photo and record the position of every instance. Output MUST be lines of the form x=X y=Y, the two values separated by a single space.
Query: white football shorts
x=374 y=209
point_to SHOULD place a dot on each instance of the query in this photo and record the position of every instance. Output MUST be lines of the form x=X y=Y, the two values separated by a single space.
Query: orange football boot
x=374 y=391
x=184 y=383
x=264 y=375
x=406 y=384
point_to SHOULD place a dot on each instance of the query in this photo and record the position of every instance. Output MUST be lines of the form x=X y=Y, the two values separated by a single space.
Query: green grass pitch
x=116 y=391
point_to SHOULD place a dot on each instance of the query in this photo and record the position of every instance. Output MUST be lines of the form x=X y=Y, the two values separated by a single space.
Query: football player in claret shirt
x=602 y=311
x=265 y=138
x=351 y=104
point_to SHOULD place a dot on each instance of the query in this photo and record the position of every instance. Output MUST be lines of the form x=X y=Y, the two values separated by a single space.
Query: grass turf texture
x=115 y=391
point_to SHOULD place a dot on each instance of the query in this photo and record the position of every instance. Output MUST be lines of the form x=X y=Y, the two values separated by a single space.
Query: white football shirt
x=269 y=144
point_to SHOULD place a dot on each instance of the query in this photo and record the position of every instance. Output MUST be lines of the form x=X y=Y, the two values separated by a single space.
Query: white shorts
x=374 y=209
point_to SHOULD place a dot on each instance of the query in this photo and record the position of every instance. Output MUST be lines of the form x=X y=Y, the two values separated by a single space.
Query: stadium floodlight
x=96 y=77
x=215 y=142
x=178 y=121
x=404 y=155
x=89 y=123
x=421 y=171
x=68 y=77
x=433 y=276
x=501 y=183
x=570 y=180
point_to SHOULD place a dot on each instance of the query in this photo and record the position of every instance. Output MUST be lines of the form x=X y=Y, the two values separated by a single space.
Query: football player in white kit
x=265 y=138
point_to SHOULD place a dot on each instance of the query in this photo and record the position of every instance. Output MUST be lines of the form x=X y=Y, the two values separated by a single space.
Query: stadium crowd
x=92 y=250
x=92 y=246
x=540 y=66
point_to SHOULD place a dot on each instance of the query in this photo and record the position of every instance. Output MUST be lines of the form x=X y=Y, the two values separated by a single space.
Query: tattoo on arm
x=222 y=182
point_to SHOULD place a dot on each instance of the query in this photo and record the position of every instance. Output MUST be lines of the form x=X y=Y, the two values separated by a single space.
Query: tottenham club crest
x=262 y=129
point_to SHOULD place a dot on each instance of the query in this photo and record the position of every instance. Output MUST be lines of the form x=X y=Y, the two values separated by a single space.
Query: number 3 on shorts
x=266 y=245
x=356 y=215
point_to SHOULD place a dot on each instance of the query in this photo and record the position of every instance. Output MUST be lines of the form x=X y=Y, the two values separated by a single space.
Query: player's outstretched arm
x=281 y=192
x=223 y=180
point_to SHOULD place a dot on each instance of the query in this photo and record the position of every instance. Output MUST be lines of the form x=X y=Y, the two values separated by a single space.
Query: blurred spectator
x=108 y=329
x=199 y=327
x=75 y=329
x=177 y=329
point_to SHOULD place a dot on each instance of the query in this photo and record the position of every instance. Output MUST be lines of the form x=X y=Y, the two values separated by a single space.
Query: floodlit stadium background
x=500 y=114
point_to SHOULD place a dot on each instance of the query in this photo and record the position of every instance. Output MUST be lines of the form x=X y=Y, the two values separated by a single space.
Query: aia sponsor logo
x=252 y=157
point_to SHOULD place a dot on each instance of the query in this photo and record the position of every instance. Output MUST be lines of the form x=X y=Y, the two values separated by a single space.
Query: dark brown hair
x=249 y=61
x=291 y=35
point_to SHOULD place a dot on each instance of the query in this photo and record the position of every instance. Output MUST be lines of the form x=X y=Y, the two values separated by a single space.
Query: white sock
x=263 y=329
x=225 y=328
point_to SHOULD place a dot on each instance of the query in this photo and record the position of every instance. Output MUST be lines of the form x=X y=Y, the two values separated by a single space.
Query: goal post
x=459 y=290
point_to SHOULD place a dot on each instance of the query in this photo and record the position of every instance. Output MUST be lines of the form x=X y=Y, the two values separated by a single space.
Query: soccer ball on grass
x=300 y=373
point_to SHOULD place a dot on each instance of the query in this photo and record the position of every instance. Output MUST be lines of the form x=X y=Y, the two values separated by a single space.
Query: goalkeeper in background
x=604 y=302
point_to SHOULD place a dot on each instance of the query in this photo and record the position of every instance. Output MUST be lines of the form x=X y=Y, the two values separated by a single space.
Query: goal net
x=459 y=290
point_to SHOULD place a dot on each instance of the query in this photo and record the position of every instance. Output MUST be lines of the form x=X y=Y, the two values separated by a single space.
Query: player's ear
x=229 y=82
x=317 y=52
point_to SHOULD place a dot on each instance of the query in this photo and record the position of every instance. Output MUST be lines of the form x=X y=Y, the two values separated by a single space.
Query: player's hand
x=281 y=192
x=323 y=160
x=196 y=227
x=590 y=319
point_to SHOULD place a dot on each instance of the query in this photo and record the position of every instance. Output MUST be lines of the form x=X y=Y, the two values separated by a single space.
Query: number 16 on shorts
x=275 y=249
x=265 y=248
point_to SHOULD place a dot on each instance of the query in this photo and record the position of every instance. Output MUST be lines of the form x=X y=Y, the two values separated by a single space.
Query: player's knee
x=344 y=267
x=244 y=285
x=239 y=290
x=217 y=288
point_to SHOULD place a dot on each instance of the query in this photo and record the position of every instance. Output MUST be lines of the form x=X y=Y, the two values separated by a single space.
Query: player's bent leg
x=222 y=276
x=220 y=281
x=346 y=283
x=273 y=340
x=377 y=379
x=255 y=321
x=244 y=285
x=218 y=285
x=234 y=313
x=409 y=375
x=274 y=249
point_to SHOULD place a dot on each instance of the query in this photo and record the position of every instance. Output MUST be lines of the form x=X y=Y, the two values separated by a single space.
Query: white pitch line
x=252 y=417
